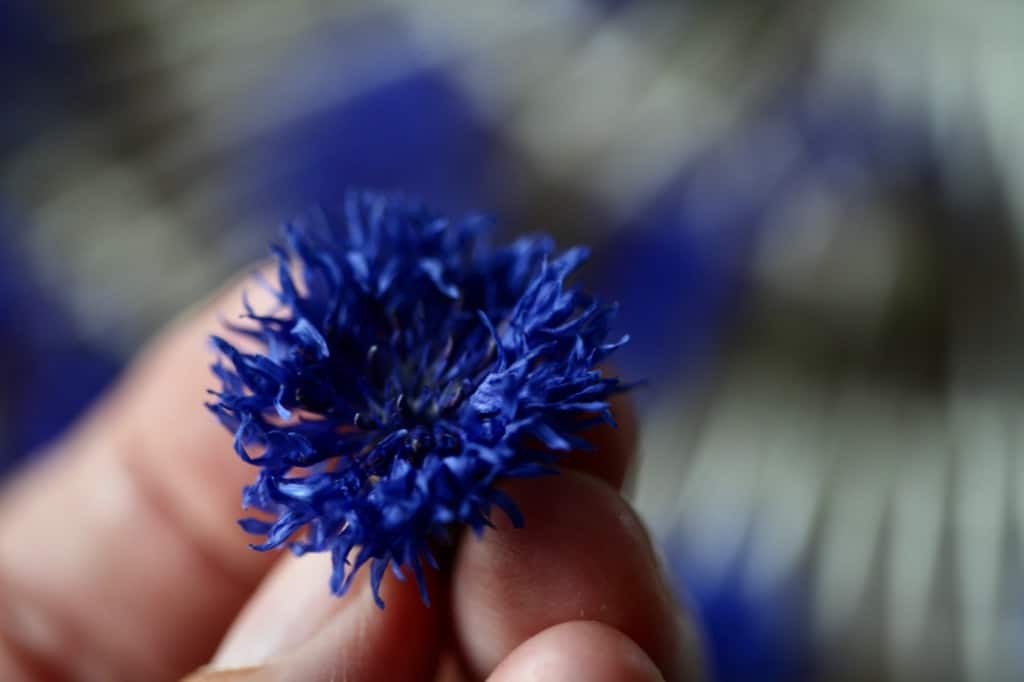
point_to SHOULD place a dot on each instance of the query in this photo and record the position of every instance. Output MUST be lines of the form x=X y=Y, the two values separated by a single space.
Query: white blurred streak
x=155 y=246
x=794 y=465
x=565 y=131
x=666 y=458
x=716 y=500
x=700 y=96
x=859 y=435
x=921 y=472
x=614 y=105
x=998 y=76
x=981 y=516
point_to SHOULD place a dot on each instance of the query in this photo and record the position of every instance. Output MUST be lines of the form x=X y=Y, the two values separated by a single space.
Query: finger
x=583 y=555
x=294 y=629
x=577 y=650
x=613 y=446
x=119 y=553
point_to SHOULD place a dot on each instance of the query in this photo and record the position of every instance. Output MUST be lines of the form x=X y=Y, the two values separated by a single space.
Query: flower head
x=409 y=367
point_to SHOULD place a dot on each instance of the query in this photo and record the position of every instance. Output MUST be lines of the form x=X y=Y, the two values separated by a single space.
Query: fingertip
x=578 y=650
x=294 y=625
x=583 y=555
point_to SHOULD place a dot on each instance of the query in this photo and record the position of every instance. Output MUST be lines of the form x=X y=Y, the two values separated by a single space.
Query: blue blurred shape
x=396 y=122
x=50 y=373
x=747 y=637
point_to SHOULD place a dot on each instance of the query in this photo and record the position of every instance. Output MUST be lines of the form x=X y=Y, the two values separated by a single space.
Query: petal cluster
x=409 y=366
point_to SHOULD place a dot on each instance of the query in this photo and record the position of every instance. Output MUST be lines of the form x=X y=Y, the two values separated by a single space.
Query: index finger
x=120 y=557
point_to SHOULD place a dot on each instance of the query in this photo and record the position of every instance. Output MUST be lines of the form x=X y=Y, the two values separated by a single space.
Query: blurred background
x=811 y=210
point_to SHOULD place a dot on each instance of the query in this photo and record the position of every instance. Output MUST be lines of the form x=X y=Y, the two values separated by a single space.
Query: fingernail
x=208 y=674
x=291 y=605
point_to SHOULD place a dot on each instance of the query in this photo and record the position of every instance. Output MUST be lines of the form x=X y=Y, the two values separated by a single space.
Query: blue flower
x=410 y=367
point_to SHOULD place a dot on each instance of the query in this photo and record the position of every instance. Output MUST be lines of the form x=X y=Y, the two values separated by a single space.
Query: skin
x=120 y=559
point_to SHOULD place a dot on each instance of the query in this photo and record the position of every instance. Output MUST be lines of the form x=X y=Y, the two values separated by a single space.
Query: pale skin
x=120 y=559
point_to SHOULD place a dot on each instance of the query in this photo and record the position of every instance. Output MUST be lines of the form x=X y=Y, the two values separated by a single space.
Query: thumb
x=293 y=628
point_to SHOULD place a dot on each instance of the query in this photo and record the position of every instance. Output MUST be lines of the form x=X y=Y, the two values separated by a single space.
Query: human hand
x=120 y=559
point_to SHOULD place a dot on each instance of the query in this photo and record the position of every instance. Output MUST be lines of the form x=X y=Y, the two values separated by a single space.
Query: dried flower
x=409 y=368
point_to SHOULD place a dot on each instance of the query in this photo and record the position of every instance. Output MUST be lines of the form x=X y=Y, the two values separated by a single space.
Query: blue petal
x=433 y=269
x=254 y=526
x=310 y=337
